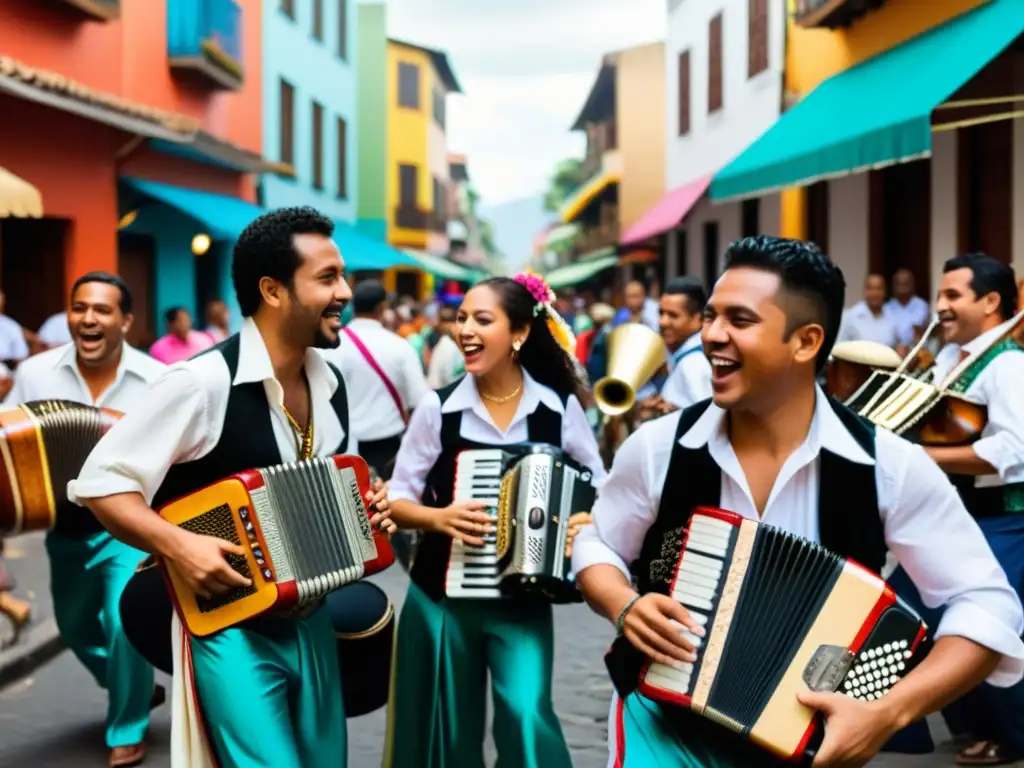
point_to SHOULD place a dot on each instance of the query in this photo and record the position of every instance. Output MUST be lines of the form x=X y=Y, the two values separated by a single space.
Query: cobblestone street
x=54 y=717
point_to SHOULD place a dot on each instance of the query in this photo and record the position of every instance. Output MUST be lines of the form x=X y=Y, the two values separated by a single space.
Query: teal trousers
x=438 y=707
x=642 y=737
x=87 y=577
x=270 y=696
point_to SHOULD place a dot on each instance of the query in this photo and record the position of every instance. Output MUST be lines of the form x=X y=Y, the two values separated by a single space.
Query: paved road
x=55 y=717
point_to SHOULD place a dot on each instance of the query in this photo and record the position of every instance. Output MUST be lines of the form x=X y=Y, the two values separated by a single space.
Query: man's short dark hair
x=988 y=276
x=266 y=249
x=125 y=302
x=367 y=297
x=816 y=288
x=447 y=313
x=692 y=291
x=172 y=314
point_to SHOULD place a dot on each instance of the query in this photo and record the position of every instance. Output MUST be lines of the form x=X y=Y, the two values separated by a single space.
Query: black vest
x=247 y=438
x=428 y=571
x=849 y=524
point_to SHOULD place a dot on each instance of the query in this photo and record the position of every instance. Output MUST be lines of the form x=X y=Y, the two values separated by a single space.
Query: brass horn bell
x=635 y=353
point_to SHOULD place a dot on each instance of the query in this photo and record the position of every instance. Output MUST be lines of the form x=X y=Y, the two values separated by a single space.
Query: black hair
x=541 y=356
x=988 y=276
x=807 y=274
x=125 y=302
x=172 y=314
x=368 y=296
x=266 y=249
x=692 y=291
x=446 y=313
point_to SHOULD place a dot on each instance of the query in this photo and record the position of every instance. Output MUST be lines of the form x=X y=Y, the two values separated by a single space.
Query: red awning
x=667 y=212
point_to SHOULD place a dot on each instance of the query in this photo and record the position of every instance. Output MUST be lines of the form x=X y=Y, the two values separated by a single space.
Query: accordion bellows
x=781 y=615
x=306 y=532
x=44 y=444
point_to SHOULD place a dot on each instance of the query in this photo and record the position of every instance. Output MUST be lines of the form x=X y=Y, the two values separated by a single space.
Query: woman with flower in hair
x=521 y=385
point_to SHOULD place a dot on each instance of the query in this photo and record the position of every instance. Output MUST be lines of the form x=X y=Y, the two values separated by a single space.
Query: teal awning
x=876 y=113
x=571 y=274
x=440 y=267
x=224 y=217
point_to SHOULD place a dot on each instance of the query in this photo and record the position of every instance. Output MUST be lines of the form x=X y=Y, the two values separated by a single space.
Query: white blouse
x=421 y=444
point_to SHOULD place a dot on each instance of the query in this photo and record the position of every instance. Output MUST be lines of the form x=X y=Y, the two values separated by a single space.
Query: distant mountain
x=516 y=224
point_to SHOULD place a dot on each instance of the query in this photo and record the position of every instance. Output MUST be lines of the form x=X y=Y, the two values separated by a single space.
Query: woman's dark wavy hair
x=540 y=355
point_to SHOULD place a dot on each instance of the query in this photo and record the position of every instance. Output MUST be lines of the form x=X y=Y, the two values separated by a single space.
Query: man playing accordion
x=770 y=446
x=268 y=689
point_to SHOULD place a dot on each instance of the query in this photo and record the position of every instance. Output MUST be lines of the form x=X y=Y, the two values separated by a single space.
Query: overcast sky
x=525 y=67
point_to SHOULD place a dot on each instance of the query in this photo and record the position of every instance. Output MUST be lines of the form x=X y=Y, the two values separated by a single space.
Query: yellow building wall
x=815 y=55
x=640 y=118
x=407 y=142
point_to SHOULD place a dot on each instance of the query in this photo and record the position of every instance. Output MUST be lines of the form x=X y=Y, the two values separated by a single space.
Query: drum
x=362 y=615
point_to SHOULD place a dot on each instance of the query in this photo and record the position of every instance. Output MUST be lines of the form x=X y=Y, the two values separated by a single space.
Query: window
x=439 y=107
x=408 y=180
x=440 y=214
x=318 y=146
x=715 y=64
x=684 y=93
x=710 y=252
x=342 y=158
x=287 y=107
x=318 y=19
x=408 y=85
x=757 y=43
x=288 y=8
x=343 y=29
x=750 y=216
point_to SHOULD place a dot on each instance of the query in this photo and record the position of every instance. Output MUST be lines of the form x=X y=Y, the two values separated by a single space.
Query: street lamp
x=200 y=244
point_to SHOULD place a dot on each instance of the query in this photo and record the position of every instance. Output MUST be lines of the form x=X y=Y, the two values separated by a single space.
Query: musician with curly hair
x=521 y=385
x=771 y=447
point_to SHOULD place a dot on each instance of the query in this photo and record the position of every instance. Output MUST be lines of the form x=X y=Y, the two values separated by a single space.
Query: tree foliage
x=568 y=175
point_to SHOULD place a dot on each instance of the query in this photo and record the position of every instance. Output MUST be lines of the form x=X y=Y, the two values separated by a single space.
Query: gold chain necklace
x=303 y=437
x=503 y=399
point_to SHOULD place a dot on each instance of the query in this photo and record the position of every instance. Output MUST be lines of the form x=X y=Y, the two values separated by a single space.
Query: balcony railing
x=412 y=218
x=592 y=238
x=104 y=10
x=832 y=13
x=204 y=38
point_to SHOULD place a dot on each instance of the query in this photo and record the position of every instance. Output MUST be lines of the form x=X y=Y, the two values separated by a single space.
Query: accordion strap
x=368 y=357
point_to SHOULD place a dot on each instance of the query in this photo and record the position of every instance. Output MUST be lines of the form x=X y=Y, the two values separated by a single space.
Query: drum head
x=364 y=623
x=146 y=617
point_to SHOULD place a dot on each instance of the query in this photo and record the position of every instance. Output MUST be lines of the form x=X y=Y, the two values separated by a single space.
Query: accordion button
x=536 y=519
x=243 y=512
x=249 y=526
x=257 y=553
x=267 y=574
x=261 y=563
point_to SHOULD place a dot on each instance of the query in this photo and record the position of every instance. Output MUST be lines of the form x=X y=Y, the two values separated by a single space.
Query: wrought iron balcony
x=204 y=39
x=412 y=218
x=103 y=10
x=832 y=13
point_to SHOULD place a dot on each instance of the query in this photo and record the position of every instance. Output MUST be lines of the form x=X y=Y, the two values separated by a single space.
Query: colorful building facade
x=372 y=55
x=310 y=105
x=122 y=118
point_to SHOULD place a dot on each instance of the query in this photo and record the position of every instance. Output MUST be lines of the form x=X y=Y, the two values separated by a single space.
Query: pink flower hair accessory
x=538 y=288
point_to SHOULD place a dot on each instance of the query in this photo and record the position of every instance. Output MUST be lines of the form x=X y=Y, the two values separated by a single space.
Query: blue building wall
x=318 y=73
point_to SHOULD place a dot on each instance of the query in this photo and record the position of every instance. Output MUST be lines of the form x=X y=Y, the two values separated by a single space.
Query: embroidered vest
x=431 y=564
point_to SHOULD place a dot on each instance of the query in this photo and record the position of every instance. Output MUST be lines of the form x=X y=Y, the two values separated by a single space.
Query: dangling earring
x=516 y=346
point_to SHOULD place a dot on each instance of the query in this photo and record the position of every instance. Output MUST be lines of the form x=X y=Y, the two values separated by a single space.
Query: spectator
x=867 y=320
x=908 y=312
x=217 y=320
x=180 y=342
x=446 y=362
x=13 y=344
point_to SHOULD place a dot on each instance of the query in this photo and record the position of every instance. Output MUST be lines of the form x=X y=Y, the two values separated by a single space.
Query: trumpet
x=635 y=353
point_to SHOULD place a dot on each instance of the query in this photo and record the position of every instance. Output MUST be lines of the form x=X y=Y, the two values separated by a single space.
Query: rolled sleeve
x=947 y=557
x=135 y=455
x=421 y=445
x=623 y=512
x=1003 y=393
x=580 y=443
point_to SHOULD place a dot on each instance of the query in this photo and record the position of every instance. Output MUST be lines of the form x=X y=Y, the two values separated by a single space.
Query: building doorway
x=135 y=259
x=900 y=220
x=32 y=269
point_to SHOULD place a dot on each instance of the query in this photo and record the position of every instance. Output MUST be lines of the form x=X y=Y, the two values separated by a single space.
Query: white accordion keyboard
x=473 y=571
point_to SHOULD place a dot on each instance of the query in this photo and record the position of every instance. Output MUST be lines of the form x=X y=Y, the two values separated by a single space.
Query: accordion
x=781 y=615
x=305 y=529
x=532 y=490
x=44 y=445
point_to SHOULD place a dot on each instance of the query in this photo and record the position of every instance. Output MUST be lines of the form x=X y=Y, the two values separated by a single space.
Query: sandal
x=984 y=753
x=18 y=612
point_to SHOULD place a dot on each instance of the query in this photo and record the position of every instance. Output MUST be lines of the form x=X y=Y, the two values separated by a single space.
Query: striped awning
x=18 y=198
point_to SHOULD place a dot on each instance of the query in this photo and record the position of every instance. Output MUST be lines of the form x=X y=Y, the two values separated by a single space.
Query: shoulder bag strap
x=380 y=372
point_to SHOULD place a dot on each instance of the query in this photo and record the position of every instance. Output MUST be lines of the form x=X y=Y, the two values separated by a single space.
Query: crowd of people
x=734 y=419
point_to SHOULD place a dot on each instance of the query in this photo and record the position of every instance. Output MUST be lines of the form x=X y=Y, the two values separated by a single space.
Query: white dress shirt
x=999 y=388
x=12 y=339
x=446 y=363
x=861 y=324
x=689 y=379
x=54 y=375
x=906 y=316
x=926 y=525
x=184 y=416
x=421 y=444
x=376 y=416
x=54 y=331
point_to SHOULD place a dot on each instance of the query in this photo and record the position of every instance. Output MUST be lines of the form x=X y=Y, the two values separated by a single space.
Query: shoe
x=120 y=757
x=985 y=753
